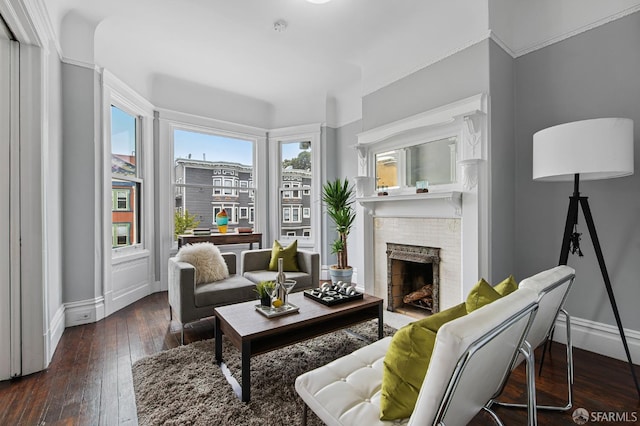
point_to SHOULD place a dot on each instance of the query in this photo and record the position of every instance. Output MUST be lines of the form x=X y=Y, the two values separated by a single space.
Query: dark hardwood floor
x=89 y=380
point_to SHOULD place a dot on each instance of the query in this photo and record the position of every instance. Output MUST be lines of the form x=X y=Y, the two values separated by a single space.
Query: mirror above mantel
x=439 y=149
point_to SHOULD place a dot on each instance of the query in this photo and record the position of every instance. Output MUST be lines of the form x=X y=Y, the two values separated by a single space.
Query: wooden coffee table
x=253 y=333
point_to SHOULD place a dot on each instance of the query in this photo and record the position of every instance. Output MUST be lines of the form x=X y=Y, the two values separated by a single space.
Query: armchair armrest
x=309 y=262
x=182 y=283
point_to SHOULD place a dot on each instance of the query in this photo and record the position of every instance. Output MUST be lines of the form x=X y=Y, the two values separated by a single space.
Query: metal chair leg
x=304 y=415
x=569 y=349
x=527 y=351
x=170 y=313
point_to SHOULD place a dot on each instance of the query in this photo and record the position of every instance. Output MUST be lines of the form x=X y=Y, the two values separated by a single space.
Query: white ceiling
x=342 y=48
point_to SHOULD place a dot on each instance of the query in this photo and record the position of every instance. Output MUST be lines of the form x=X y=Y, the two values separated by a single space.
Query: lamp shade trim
x=600 y=148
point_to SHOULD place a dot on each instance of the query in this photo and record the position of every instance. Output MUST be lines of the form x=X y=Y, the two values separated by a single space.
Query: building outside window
x=295 y=174
x=121 y=233
x=211 y=173
x=126 y=181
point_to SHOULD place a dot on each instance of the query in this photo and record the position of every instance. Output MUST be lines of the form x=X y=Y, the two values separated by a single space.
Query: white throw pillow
x=206 y=258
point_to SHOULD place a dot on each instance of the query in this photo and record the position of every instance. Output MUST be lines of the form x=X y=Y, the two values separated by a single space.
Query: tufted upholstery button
x=343 y=379
x=367 y=400
x=369 y=366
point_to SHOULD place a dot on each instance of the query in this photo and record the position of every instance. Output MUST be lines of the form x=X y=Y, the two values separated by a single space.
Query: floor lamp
x=591 y=149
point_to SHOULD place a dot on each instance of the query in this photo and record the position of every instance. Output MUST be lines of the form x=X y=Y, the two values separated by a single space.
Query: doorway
x=10 y=349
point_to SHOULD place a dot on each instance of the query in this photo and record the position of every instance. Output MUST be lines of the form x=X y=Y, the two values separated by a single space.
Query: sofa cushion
x=407 y=360
x=207 y=261
x=506 y=286
x=234 y=289
x=481 y=294
x=288 y=254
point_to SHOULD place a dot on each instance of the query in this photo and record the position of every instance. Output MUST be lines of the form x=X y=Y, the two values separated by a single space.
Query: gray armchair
x=255 y=264
x=190 y=302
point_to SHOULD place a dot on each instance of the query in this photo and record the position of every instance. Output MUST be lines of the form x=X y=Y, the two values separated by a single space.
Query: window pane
x=433 y=162
x=125 y=212
x=212 y=173
x=387 y=170
x=295 y=173
x=123 y=142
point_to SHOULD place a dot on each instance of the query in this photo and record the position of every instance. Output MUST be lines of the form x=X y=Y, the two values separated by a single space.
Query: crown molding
x=493 y=36
x=584 y=28
x=78 y=63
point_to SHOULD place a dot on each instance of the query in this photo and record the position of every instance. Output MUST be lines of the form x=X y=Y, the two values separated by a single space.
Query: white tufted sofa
x=474 y=352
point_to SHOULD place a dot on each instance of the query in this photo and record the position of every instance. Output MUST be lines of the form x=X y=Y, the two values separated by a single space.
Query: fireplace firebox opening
x=413 y=277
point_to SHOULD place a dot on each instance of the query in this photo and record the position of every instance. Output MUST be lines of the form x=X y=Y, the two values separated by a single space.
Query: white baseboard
x=54 y=333
x=600 y=338
x=84 y=311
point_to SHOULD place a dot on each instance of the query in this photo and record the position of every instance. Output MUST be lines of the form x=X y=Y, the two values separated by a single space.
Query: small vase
x=222 y=220
x=265 y=300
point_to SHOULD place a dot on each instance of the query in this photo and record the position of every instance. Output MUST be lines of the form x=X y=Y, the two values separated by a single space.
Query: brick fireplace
x=413 y=277
x=435 y=242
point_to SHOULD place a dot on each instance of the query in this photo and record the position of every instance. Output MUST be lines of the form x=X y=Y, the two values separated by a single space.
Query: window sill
x=127 y=255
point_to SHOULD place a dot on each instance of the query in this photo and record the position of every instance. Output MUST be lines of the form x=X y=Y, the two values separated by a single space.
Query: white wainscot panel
x=129 y=282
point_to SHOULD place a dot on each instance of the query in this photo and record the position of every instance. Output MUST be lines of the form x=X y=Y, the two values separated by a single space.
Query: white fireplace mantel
x=465 y=200
x=452 y=203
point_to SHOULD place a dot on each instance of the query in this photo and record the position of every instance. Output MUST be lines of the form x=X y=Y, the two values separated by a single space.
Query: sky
x=213 y=147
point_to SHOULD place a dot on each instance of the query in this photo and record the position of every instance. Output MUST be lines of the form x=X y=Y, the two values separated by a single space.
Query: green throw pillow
x=288 y=254
x=406 y=362
x=480 y=295
x=506 y=286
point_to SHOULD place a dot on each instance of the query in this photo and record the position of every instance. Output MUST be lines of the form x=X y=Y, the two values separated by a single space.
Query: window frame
x=170 y=121
x=312 y=134
x=121 y=96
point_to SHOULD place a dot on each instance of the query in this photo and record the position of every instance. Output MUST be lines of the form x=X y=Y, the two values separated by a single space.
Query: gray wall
x=594 y=74
x=78 y=179
x=342 y=161
x=347 y=137
x=501 y=163
x=457 y=77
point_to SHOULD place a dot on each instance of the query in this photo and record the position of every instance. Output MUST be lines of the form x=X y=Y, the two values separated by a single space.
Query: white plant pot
x=343 y=275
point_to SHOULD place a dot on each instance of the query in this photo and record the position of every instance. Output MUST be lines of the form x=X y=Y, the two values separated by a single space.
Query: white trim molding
x=54 y=332
x=603 y=339
x=83 y=311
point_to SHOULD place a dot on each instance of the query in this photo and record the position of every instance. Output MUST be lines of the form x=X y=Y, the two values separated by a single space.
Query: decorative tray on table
x=333 y=294
x=271 y=312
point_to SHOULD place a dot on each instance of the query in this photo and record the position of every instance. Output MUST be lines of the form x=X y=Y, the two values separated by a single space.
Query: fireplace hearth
x=413 y=277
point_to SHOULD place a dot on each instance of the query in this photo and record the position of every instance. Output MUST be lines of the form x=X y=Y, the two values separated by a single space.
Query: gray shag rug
x=184 y=386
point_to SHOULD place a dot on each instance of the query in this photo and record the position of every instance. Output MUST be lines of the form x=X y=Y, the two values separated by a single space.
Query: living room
x=515 y=68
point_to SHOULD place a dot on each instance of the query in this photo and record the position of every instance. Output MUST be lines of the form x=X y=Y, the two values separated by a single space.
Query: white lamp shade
x=601 y=148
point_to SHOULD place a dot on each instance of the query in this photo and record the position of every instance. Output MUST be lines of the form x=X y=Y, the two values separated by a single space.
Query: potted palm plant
x=338 y=195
